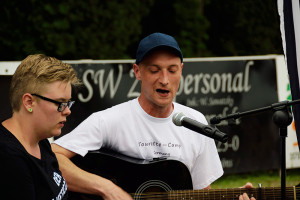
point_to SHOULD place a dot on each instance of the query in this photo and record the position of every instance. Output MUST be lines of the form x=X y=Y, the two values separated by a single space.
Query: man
x=124 y=127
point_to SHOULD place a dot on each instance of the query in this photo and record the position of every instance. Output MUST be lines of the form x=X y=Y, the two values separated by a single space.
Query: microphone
x=215 y=120
x=179 y=119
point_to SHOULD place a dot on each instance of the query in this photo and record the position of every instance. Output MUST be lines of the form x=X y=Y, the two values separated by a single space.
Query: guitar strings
x=266 y=193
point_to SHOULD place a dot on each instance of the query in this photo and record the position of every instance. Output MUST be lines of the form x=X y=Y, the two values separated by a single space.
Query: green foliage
x=248 y=27
x=192 y=28
x=181 y=19
x=70 y=29
x=111 y=29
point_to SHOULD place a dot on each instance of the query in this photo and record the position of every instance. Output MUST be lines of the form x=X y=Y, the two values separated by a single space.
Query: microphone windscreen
x=177 y=119
x=215 y=120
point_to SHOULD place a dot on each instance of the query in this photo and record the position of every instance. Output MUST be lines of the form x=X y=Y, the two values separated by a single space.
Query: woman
x=40 y=94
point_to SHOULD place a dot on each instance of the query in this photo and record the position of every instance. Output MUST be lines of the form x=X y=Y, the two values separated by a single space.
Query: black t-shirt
x=24 y=176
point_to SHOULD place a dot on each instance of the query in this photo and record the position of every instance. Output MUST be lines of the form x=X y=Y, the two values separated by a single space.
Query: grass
x=266 y=178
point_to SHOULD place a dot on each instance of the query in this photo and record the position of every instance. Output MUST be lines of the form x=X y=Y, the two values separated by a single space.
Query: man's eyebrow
x=156 y=65
x=153 y=65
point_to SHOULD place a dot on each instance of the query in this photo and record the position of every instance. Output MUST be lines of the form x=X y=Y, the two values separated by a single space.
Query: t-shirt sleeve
x=87 y=136
x=207 y=167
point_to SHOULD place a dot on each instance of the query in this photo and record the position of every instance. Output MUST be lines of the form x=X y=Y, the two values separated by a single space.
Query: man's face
x=160 y=74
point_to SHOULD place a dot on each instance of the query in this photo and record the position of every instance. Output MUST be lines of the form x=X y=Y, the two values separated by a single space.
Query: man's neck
x=155 y=110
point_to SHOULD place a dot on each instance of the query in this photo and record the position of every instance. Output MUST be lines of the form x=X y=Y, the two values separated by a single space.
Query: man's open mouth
x=162 y=91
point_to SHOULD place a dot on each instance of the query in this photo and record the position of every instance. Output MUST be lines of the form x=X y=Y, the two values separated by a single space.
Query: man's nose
x=164 y=77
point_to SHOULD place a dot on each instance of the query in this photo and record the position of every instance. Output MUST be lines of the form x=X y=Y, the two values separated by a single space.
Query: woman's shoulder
x=9 y=145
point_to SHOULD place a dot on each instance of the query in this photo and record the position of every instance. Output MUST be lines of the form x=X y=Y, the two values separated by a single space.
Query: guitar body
x=162 y=179
x=135 y=176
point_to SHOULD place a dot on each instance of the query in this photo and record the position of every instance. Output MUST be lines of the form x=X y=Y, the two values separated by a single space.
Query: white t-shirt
x=129 y=130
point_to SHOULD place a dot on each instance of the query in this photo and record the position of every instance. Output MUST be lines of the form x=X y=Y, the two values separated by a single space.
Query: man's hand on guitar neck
x=247 y=185
x=245 y=196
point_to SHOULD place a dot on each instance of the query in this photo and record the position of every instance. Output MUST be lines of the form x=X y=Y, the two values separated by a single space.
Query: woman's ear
x=28 y=102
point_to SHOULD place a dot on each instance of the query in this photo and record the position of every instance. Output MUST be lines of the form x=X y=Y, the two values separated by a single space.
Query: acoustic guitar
x=161 y=178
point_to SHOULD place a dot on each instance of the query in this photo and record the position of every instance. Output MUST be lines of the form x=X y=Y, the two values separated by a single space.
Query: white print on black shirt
x=57 y=178
x=62 y=191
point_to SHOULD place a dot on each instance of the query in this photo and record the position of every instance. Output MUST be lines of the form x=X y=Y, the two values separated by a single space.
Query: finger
x=248 y=185
x=245 y=196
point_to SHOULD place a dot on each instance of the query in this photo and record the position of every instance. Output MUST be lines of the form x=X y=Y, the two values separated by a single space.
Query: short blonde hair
x=34 y=72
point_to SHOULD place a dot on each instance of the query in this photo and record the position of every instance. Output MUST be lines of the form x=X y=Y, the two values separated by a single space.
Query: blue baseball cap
x=156 y=40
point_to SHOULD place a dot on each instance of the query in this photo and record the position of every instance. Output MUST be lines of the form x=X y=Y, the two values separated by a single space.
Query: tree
x=248 y=27
x=181 y=19
x=69 y=29
x=109 y=29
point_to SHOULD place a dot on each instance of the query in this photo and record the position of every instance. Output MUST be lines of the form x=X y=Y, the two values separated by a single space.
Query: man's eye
x=173 y=71
x=153 y=70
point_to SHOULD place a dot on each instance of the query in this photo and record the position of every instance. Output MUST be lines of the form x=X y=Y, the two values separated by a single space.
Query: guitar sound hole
x=155 y=189
x=152 y=189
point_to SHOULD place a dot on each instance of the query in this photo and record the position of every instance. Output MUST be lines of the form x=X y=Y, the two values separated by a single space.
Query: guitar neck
x=223 y=194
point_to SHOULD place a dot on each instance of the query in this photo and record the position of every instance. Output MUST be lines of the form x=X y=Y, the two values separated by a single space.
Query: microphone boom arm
x=275 y=106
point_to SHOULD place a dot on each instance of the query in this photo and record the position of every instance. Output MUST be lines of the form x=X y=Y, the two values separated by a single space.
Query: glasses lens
x=63 y=106
x=70 y=104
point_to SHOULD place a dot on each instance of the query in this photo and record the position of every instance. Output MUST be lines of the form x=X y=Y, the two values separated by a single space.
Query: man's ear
x=28 y=102
x=137 y=71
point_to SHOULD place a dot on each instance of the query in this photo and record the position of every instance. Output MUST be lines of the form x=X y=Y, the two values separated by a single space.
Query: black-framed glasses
x=61 y=105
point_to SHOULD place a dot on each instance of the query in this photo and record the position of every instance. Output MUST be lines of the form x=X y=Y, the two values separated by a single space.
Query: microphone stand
x=282 y=117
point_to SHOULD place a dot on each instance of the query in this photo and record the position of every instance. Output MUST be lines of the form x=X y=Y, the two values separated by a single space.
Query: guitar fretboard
x=222 y=194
